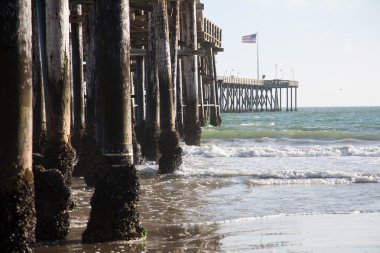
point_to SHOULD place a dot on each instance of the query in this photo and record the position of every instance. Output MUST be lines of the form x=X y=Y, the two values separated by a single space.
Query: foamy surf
x=227 y=150
x=254 y=218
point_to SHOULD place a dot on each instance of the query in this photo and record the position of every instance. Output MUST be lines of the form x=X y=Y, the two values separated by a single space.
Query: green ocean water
x=325 y=124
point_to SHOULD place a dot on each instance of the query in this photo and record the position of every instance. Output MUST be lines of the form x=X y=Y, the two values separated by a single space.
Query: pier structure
x=251 y=95
x=210 y=40
x=107 y=81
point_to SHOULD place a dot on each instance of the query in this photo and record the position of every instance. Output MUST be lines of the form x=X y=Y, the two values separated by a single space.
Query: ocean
x=306 y=181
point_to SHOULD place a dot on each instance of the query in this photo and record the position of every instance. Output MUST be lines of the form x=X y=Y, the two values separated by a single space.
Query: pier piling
x=53 y=218
x=17 y=212
x=113 y=207
x=192 y=125
x=149 y=145
x=78 y=85
x=169 y=140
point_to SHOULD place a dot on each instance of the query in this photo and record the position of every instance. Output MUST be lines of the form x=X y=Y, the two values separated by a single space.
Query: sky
x=331 y=46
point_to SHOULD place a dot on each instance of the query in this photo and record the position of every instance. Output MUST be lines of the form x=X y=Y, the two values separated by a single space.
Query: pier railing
x=210 y=32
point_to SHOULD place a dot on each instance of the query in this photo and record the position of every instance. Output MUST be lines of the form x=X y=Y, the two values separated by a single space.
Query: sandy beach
x=176 y=227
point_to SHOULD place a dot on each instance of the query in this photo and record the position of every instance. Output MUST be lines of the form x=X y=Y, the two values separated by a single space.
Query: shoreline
x=356 y=232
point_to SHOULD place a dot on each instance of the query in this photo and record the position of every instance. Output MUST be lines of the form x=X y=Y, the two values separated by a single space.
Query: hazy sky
x=332 y=45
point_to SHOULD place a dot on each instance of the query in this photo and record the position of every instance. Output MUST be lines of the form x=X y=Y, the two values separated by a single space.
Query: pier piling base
x=179 y=126
x=53 y=192
x=192 y=132
x=16 y=214
x=52 y=202
x=171 y=152
x=60 y=156
x=118 y=191
x=149 y=145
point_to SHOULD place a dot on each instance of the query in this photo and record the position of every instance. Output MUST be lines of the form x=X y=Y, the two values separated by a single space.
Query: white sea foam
x=249 y=219
x=322 y=179
x=261 y=177
x=213 y=150
x=272 y=124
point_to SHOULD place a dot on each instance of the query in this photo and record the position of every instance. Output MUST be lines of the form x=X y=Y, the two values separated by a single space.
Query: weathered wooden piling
x=17 y=213
x=149 y=145
x=201 y=96
x=214 y=117
x=113 y=206
x=90 y=153
x=53 y=184
x=139 y=94
x=138 y=112
x=192 y=126
x=78 y=84
x=179 y=100
x=39 y=78
x=218 y=120
x=174 y=31
x=171 y=152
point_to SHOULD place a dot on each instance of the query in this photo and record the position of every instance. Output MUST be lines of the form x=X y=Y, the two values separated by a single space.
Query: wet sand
x=171 y=212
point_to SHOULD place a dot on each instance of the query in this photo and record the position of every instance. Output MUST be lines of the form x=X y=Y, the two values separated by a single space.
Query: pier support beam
x=78 y=85
x=174 y=30
x=295 y=96
x=287 y=99
x=149 y=144
x=192 y=125
x=140 y=98
x=17 y=213
x=214 y=117
x=201 y=94
x=179 y=116
x=113 y=215
x=90 y=153
x=39 y=77
x=53 y=184
x=291 y=99
x=139 y=91
x=171 y=153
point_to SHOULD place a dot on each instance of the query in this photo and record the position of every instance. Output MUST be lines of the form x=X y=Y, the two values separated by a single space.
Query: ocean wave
x=226 y=150
x=311 y=178
x=270 y=177
x=330 y=135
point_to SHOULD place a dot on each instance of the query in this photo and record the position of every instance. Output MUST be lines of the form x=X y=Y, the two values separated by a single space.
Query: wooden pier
x=108 y=82
x=149 y=80
x=251 y=95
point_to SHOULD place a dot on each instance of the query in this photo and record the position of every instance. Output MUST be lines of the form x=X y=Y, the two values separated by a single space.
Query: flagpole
x=257 y=55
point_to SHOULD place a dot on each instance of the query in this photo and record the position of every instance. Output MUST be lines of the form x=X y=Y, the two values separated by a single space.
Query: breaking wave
x=210 y=151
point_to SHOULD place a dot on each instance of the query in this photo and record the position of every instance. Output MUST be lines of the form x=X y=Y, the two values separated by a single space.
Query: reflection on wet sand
x=189 y=215
x=168 y=207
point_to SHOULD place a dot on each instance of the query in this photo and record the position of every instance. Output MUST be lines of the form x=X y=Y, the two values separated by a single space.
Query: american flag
x=249 y=38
